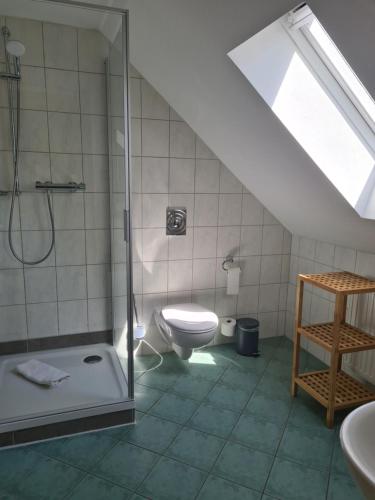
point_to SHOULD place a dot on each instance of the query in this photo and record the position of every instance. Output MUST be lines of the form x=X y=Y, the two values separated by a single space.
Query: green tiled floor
x=220 y=426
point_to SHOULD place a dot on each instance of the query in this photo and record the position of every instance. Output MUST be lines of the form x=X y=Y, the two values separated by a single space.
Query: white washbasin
x=357 y=436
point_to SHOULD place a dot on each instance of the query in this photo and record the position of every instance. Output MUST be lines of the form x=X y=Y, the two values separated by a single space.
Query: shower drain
x=92 y=359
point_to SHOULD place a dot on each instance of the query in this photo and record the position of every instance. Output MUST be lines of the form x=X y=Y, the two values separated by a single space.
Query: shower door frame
x=124 y=13
x=89 y=418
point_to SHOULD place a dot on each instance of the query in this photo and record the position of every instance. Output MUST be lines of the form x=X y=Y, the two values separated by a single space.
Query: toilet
x=186 y=327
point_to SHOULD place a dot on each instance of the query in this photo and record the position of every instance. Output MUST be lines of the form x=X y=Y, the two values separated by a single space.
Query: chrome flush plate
x=176 y=221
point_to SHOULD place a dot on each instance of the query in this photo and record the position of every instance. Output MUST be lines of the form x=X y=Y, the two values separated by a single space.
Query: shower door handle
x=126 y=226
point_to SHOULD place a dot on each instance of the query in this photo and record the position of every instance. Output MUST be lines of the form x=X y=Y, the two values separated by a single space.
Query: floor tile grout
x=275 y=352
x=225 y=440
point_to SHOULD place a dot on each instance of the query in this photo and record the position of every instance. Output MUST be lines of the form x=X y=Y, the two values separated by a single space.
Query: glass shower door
x=120 y=194
x=73 y=310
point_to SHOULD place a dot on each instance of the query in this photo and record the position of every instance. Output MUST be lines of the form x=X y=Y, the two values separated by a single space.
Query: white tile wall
x=62 y=90
x=40 y=285
x=13 y=323
x=92 y=88
x=33 y=88
x=63 y=102
x=94 y=138
x=42 y=320
x=181 y=175
x=228 y=241
x=33 y=131
x=71 y=282
x=64 y=138
x=206 y=210
x=72 y=316
x=182 y=140
x=173 y=167
x=155 y=173
x=60 y=46
x=207 y=176
x=92 y=51
x=155 y=140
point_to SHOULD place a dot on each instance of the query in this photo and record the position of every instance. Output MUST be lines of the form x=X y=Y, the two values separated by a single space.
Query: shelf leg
x=343 y=318
x=339 y=364
x=335 y=357
x=297 y=336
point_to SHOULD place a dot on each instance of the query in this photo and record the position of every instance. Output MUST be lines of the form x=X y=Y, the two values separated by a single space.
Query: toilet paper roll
x=228 y=326
x=233 y=280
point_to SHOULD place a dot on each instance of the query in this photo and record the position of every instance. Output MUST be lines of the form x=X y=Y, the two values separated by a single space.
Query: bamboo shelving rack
x=333 y=388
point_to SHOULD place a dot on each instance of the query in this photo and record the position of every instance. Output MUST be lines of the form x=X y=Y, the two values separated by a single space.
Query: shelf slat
x=340 y=282
x=352 y=339
x=349 y=392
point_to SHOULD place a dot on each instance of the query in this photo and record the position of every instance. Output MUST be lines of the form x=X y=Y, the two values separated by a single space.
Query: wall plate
x=176 y=221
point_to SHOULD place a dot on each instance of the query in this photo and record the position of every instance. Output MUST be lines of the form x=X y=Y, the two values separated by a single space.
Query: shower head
x=15 y=48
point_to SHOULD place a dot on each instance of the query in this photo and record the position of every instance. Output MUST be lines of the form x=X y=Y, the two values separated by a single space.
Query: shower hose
x=14 y=122
x=145 y=342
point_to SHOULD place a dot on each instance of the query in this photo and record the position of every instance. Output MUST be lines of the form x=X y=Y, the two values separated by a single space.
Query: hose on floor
x=139 y=325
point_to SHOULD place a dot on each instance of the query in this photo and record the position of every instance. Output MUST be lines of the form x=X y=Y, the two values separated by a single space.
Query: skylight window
x=309 y=85
x=344 y=73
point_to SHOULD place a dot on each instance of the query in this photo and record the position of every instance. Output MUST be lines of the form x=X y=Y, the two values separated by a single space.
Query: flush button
x=176 y=221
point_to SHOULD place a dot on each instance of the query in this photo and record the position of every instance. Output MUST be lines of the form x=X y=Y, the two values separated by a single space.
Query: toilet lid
x=191 y=318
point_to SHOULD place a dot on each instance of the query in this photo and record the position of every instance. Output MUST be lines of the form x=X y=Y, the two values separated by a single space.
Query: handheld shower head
x=15 y=48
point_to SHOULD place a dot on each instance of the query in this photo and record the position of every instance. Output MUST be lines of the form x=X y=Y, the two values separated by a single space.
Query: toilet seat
x=186 y=327
x=189 y=318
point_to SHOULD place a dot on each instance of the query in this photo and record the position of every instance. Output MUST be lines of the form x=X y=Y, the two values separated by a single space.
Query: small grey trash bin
x=247 y=335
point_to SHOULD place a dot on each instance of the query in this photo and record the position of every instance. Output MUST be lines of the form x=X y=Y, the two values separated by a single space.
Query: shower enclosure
x=65 y=226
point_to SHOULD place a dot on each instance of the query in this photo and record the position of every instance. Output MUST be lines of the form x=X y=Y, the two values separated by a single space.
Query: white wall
x=184 y=58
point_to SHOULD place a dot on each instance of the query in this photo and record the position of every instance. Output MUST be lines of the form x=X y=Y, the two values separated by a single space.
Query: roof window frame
x=296 y=24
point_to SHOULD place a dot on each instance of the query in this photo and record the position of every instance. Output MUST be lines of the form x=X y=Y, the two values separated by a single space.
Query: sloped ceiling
x=52 y=12
x=65 y=12
x=180 y=46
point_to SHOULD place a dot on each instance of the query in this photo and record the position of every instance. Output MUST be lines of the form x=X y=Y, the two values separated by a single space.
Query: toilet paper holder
x=227 y=262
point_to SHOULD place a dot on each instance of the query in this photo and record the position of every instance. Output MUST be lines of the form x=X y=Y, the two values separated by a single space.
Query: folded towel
x=41 y=373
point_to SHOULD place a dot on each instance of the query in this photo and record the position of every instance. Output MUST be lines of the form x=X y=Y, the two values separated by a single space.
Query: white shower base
x=92 y=389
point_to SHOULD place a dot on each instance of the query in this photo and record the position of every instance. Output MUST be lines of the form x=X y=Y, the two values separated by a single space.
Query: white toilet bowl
x=186 y=327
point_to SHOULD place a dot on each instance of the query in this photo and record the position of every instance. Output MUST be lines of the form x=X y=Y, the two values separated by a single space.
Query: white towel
x=41 y=373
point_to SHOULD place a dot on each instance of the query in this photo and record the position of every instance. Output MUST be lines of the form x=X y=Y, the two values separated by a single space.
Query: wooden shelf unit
x=333 y=388
x=349 y=392
x=351 y=339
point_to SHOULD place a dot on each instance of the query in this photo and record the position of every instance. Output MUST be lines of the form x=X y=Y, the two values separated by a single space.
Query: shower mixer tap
x=70 y=187
x=10 y=76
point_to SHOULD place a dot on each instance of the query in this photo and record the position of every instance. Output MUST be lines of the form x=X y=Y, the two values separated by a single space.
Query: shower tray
x=92 y=389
